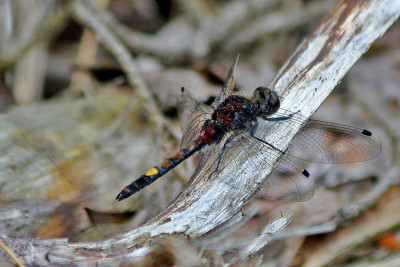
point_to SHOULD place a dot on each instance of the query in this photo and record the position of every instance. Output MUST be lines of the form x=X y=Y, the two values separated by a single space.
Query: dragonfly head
x=267 y=99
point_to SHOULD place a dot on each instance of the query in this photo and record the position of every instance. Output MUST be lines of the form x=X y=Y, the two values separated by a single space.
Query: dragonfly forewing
x=192 y=115
x=327 y=142
x=334 y=143
x=228 y=87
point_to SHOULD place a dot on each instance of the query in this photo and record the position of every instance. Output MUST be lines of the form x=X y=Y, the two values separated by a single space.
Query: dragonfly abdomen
x=157 y=171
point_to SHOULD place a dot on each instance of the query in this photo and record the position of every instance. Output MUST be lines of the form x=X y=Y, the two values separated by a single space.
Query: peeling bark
x=307 y=78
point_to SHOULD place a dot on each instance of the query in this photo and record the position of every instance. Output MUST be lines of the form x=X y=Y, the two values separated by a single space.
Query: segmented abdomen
x=159 y=170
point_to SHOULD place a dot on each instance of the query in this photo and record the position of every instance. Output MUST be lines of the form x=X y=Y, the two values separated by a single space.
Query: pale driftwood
x=304 y=81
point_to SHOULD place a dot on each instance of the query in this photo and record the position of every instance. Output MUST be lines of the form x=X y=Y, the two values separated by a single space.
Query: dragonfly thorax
x=237 y=112
x=234 y=112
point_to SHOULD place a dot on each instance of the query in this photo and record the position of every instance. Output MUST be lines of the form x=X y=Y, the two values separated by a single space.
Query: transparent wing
x=334 y=143
x=228 y=87
x=192 y=115
x=327 y=142
x=317 y=141
x=285 y=182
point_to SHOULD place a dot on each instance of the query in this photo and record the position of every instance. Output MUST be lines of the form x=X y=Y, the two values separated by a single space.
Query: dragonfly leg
x=221 y=153
x=282 y=118
x=252 y=134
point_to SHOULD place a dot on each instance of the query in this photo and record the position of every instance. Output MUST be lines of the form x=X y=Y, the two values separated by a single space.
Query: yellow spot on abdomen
x=151 y=172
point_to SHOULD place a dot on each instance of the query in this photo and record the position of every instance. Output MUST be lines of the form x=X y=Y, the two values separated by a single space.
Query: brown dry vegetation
x=88 y=99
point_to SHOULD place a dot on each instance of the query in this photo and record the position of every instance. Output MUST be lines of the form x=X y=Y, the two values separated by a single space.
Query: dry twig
x=34 y=28
x=307 y=78
x=266 y=236
x=88 y=14
x=10 y=254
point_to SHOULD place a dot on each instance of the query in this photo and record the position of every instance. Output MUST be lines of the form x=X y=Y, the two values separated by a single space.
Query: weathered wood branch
x=307 y=78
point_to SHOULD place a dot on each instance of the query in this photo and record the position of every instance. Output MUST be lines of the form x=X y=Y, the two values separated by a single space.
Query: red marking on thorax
x=228 y=108
x=227 y=121
x=238 y=106
x=226 y=113
x=208 y=134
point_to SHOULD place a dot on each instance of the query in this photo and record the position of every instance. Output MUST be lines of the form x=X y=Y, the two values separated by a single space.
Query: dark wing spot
x=305 y=173
x=366 y=132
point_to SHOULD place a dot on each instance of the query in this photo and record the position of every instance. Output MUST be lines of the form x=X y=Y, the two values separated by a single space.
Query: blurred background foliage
x=88 y=99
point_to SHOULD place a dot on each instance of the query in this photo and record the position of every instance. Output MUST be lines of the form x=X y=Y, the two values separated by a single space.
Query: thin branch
x=353 y=210
x=38 y=26
x=277 y=21
x=312 y=230
x=86 y=13
x=11 y=254
x=183 y=39
x=306 y=79
x=89 y=15
x=86 y=56
x=267 y=235
x=229 y=227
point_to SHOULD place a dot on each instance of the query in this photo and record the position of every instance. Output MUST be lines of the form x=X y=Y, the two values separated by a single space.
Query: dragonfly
x=233 y=122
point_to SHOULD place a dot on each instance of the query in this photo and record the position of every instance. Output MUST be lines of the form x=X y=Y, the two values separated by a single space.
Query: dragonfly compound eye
x=260 y=94
x=268 y=100
x=273 y=103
